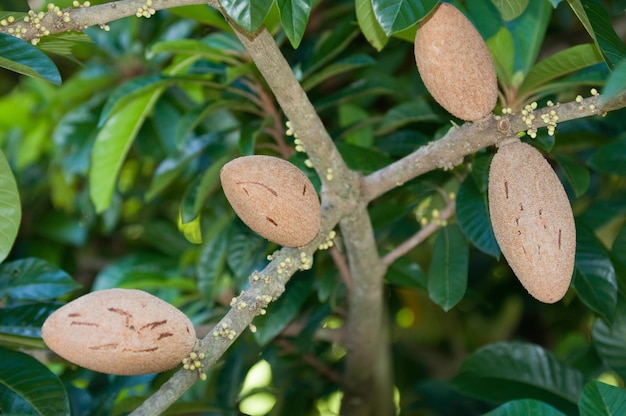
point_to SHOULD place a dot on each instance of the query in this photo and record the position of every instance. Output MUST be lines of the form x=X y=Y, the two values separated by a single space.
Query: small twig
x=342 y=266
x=420 y=236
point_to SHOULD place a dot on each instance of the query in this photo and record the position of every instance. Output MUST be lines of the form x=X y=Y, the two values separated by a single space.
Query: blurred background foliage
x=117 y=171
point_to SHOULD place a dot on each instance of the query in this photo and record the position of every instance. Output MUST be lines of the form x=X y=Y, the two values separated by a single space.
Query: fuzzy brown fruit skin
x=532 y=220
x=274 y=198
x=454 y=63
x=120 y=331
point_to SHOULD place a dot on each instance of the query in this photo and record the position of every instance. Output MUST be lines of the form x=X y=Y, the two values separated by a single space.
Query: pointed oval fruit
x=274 y=198
x=532 y=220
x=454 y=63
x=120 y=331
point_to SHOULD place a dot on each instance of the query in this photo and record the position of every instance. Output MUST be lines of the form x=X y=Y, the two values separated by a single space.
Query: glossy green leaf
x=212 y=259
x=560 y=64
x=355 y=118
x=528 y=31
x=209 y=182
x=343 y=65
x=525 y=407
x=135 y=266
x=510 y=9
x=202 y=13
x=27 y=387
x=513 y=370
x=406 y=273
x=618 y=250
x=330 y=45
x=600 y=399
x=577 y=175
x=198 y=48
x=281 y=312
x=64 y=43
x=502 y=49
x=10 y=208
x=217 y=115
x=370 y=27
x=19 y=56
x=125 y=93
x=610 y=158
x=365 y=160
x=112 y=145
x=248 y=14
x=615 y=84
x=246 y=252
x=418 y=110
x=472 y=213
x=480 y=170
x=172 y=167
x=25 y=320
x=294 y=16
x=447 y=274
x=594 y=275
x=34 y=279
x=396 y=15
x=609 y=341
x=593 y=15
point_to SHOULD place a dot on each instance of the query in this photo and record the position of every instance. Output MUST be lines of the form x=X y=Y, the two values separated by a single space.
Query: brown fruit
x=274 y=198
x=454 y=63
x=532 y=220
x=120 y=331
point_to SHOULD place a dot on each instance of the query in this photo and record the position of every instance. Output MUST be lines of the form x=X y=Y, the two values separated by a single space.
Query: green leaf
x=246 y=252
x=343 y=65
x=112 y=145
x=197 y=48
x=502 y=50
x=397 y=15
x=480 y=170
x=610 y=158
x=525 y=407
x=294 y=15
x=202 y=13
x=212 y=259
x=472 y=213
x=594 y=275
x=209 y=182
x=20 y=56
x=248 y=14
x=594 y=17
x=64 y=43
x=370 y=27
x=507 y=371
x=600 y=399
x=351 y=115
x=284 y=310
x=27 y=387
x=406 y=273
x=559 y=64
x=123 y=94
x=10 y=208
x=609 y=341
x=34 y=279
x=510 y=9
x=25 y=320
x=418 y=110
x=365 y=160
x=528 y=31
x=447 y=274
x=132 y=267
x=577 y=175
x=615 y=84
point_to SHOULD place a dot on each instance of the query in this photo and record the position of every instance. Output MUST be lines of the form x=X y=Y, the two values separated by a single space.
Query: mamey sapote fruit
x=120 y=331
x=532 y=220
x=274 y=198
x=454 y=63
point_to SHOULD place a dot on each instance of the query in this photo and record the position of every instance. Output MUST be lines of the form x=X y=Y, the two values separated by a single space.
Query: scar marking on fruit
x=559 y=238
x=73 y=315
x=110 y=346
x=144 y=350
x=506 y=189
x=304 y=190
x=540 y=212
x=153 y=325
x=84 y=323
x=272 y=221
x=521 y=207
x=119 y=312
x=165 y=335
x=517 y=221
x=270 y=190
